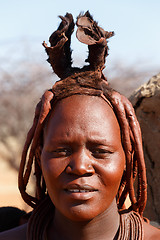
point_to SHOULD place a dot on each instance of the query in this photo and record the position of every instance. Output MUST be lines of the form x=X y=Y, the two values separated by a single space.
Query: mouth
x=76 y=188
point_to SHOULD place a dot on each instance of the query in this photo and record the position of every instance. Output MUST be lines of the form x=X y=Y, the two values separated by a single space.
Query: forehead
x=88 y=113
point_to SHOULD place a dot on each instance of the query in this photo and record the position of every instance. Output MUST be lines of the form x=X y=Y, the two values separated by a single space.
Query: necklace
x=131 y=226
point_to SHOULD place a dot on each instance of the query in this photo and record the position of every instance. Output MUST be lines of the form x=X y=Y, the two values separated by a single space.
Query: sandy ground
x=9 y=193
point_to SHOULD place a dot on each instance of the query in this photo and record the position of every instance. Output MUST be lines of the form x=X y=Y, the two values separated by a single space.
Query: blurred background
x=134 y=57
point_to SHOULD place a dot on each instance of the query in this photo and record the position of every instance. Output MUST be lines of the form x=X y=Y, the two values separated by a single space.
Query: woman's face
x=82 y=158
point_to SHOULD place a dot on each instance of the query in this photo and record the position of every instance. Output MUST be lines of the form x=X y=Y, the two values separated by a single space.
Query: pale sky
x=136 y=25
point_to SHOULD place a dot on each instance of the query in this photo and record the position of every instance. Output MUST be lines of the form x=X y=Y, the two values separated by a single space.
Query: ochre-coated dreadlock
x=90 y=81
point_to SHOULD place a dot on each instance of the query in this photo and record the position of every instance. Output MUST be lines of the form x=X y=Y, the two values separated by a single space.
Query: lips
x=76 y=188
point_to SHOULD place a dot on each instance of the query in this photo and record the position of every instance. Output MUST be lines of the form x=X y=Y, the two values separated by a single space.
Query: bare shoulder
x=18 y=233
x=150 y=232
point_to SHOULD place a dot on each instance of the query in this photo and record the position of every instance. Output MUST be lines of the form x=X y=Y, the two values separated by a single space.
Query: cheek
x=112 y=171
x=51 y=168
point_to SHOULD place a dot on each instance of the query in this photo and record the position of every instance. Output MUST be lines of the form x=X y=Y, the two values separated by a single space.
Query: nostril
x=87 y=175
x=68 y=169
x=79 y=170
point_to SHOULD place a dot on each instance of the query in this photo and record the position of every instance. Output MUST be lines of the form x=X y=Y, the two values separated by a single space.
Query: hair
x=88 y=80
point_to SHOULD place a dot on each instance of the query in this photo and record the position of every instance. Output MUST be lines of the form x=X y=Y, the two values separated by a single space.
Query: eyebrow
x=92 y=140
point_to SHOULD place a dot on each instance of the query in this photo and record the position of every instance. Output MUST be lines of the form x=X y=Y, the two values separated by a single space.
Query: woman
x=86 y=146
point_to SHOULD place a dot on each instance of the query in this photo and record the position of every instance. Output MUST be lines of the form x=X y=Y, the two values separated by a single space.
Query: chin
x=81 y=213
x=80 y=217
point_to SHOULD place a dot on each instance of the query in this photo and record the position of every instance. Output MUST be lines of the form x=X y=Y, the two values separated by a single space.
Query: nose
x=80 y=164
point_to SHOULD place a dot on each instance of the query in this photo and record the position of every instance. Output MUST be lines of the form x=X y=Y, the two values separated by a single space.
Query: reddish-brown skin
x=83 y=152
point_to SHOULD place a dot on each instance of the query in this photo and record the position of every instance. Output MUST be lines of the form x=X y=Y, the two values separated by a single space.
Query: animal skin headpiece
x=88 y=79
x=88 y=32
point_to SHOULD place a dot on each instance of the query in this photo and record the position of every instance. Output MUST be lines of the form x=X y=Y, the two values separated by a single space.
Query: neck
x=103 y=226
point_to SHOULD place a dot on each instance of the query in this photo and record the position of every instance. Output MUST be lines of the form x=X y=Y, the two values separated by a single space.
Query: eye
x=61 y=152
x=101 y=153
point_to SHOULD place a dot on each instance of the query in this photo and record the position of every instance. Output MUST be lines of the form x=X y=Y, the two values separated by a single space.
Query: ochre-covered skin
x=83 y=153
x=80 y=152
